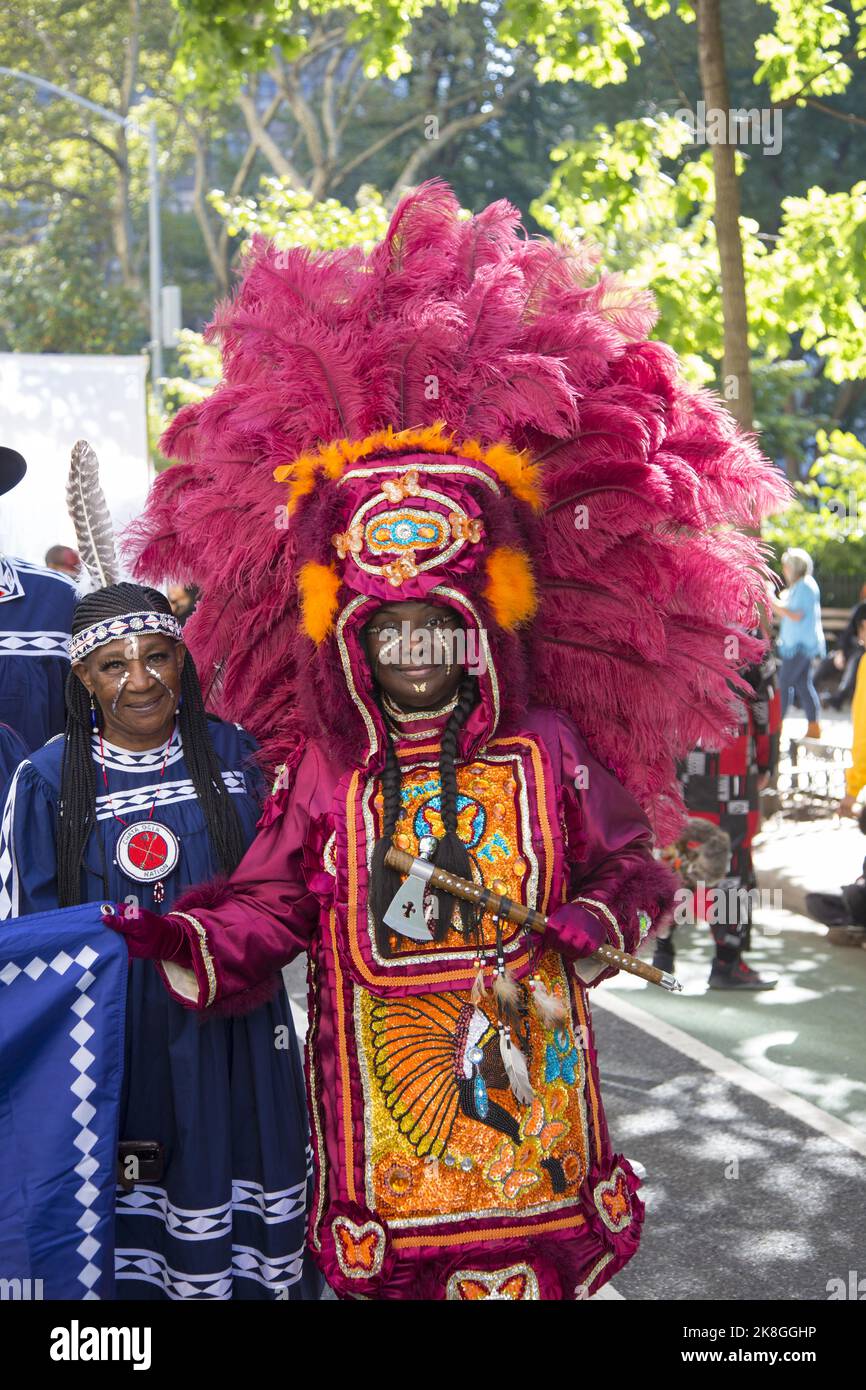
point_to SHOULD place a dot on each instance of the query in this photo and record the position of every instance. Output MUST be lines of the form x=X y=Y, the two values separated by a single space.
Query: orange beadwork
x=519 y=1282
x=612 y=1201
x=514 y=469
x=360 y=1249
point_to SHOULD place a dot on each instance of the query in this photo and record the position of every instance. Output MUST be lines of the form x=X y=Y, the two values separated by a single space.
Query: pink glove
x=575 y=930
x=148 y=936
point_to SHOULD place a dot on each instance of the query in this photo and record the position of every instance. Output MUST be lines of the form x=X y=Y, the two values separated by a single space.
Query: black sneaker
x=663 y=956
x=737 y=975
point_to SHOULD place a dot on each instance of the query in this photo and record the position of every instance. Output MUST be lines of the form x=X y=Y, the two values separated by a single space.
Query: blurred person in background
x=724 y=788
x=63 y=560
x=35 y=623
x=845 y=659
x=855 y=776
x=183 y=599
x=801 y=637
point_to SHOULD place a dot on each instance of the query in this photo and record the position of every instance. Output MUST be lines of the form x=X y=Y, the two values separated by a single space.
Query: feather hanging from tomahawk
x=90 y=517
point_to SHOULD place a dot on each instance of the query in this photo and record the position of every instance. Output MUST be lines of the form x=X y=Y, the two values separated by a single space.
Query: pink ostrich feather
x=647 y=574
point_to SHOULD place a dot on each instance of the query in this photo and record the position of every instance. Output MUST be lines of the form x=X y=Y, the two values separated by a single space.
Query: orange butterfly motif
x=512 y=1288
x=537 y=1126
x=513 y=1167
x=395 y=489
x=358 y=1251
x=464 y=528
x=616 y=1202
x=351 y=540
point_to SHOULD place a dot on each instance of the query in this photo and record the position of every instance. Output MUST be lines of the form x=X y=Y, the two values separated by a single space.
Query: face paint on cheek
x=119 y=691
x=157 y=677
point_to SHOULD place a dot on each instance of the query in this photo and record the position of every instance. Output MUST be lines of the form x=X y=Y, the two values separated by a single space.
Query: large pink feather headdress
x=618 y=496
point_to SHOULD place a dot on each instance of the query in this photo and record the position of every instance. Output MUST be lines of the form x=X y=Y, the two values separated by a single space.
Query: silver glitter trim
x=490 y=1279
x=594 y=1272
x=401 y=716
x=399 y=466
x=344 y=617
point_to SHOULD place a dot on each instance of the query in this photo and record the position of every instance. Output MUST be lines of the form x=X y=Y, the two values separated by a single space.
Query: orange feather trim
x=513 y=468
x=510 y=588
x=318 y=586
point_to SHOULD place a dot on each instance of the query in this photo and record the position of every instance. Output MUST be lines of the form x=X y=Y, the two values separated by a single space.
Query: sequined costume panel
x=444 y=1136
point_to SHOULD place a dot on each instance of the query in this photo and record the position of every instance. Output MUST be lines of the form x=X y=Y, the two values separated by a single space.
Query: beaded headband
x=125 y=625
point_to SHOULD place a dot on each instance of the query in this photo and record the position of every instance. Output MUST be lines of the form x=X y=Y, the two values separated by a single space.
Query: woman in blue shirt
x=801 y=637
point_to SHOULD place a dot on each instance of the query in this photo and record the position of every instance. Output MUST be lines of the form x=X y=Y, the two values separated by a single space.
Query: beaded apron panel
x=445 y=1139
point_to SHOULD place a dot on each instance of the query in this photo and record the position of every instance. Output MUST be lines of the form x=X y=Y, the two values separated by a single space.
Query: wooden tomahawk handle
x=511 y=911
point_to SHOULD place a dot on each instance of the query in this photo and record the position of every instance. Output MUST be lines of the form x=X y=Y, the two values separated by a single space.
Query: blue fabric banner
x=62 y=1003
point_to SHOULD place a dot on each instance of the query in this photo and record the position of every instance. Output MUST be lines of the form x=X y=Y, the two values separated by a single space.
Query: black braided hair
x=385 y=881
x=451 y=853
x=78 y=773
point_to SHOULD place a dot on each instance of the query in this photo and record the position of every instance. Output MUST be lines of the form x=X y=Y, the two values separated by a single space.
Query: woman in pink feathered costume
x=498 y=603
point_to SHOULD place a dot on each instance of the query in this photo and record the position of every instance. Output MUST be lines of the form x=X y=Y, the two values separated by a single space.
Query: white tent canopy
x=47 y=402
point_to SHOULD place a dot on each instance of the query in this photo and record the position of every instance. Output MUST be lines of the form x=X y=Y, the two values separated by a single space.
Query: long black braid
x=78 y=774
x=451 y=854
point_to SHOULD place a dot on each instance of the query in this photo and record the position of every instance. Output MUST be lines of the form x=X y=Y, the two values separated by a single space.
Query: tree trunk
x=216 y=254
x=737 y=383
x=281 y=166
x=121 y=218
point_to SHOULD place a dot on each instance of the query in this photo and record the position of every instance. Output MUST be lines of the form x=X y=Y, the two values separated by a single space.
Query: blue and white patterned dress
x=35 y=622
x=224 y=1096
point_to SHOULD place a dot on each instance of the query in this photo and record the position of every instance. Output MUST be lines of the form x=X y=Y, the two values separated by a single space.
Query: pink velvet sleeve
x=242 y=930
x=613 y=876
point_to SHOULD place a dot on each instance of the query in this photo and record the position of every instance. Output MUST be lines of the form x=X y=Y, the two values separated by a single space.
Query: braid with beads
x=385 y=881
x=77 y=817
x=451 y=853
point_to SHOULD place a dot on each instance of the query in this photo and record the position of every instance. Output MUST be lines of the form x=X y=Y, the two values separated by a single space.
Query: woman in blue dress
x=144 y=795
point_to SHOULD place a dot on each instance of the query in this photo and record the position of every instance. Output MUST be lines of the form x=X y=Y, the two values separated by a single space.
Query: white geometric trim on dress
x=133 y=799
x=54 y=575
x=276 y=1273
x=81 y=1087
x=271 y=1207
x=209 y=1223
x=125 y=760
x=34 y=643
x=203 y=1223
x=10 y=583
x=9 y=892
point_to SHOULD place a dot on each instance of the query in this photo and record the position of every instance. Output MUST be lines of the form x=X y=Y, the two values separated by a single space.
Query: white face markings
x=119 y=691
x=151 y=671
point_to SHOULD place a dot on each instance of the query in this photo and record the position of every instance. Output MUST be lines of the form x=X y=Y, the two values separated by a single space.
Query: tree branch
x=288 y=83
x=839 y=115
x=424 y=151
x=200 y=209
x=89 y=139
x=266 y=143
x=329 y=120
x=344 y=92
x=395 y=132
x=854 y=52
